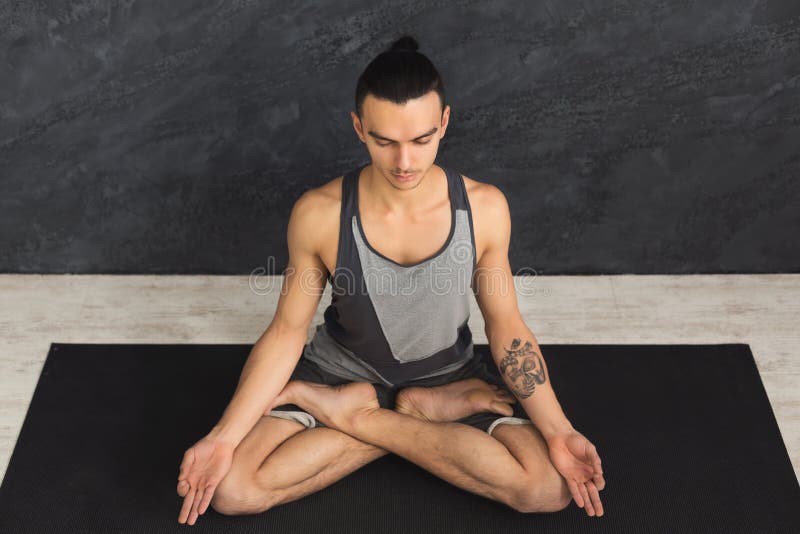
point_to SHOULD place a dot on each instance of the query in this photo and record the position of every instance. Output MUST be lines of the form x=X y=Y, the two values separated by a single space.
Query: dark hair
x=399 y=74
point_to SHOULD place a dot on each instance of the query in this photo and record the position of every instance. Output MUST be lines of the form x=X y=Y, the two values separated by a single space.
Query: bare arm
x=513 y=346
x=521 y=364
x=276 y=353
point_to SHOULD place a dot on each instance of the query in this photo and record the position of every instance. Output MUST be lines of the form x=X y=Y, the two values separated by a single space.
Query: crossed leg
x=462 y=455
x=279 y=461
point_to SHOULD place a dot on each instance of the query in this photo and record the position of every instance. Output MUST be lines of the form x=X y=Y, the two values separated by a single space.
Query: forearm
x=521 y=364
x=264 y=375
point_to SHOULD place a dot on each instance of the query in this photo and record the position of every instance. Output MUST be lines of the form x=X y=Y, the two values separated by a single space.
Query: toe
x=502 y=408
x=505 y=396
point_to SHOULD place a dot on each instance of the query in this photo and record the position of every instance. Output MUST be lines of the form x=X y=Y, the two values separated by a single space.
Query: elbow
x=279 y=330
x=502 y=331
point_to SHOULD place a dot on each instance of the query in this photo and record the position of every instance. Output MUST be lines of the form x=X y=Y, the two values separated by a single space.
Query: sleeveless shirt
x=392 y=323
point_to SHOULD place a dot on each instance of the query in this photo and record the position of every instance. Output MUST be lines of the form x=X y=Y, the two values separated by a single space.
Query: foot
x=335 y=406
x=453 y=401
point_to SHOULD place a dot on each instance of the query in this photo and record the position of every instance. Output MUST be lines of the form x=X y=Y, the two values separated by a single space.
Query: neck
x=386 y=197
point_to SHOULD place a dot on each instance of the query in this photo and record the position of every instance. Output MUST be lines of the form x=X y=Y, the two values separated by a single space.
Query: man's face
x=402 y=139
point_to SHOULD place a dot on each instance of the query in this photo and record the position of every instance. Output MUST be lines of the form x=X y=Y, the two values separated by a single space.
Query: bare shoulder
x=487 y=202
x=316 y=213
x=323 y=197
x=490 y=212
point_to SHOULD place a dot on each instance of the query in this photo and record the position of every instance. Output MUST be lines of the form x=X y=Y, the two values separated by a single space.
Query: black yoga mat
x=688 y=440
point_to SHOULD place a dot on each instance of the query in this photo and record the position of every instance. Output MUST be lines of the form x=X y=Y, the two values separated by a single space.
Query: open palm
x=204 y=465
x=576 y=458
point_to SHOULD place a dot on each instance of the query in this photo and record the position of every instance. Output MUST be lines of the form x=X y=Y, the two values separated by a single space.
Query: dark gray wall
x=174 y=137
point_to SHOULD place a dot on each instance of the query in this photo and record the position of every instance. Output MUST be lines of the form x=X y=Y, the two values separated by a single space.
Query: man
x=394 y=371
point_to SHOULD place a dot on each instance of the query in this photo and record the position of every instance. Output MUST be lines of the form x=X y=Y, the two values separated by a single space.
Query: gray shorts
x=309 y=371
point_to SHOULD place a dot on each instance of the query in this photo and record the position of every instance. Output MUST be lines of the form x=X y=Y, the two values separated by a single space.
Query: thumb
x=183 y=488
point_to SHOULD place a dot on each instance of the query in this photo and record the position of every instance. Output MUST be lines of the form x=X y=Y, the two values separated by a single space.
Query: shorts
x=309 y=371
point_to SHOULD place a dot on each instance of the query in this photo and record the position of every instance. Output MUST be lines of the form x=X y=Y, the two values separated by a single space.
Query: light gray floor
x=761 y=310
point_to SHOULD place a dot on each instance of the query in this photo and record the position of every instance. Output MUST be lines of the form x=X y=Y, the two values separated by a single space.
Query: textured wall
x=173 y=137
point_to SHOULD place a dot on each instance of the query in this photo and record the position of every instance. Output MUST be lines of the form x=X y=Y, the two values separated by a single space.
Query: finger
x=183 y=487
x=586 y=499
x=188 y=460
x=595 y=495
x=195 y=513
x=598 y=473
x=599 y=481
x=576 y=494
x=196 y=504
x=594 y=457
x=207 y=498
x=187 y=505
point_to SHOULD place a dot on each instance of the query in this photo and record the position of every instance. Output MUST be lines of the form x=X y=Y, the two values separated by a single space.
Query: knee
x=236 y=495
x=543 y=494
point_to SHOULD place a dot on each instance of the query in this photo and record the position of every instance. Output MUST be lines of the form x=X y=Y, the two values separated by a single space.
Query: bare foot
x=335 y=406
x=454 y=401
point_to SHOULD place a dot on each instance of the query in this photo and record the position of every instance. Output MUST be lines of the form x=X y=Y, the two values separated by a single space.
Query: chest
x=403 y=240
x=407 y=241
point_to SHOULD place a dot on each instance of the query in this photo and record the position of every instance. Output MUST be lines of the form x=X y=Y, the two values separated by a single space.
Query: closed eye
x=417 y=142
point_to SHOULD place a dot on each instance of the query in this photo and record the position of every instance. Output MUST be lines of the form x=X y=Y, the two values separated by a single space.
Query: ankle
x=290 y=394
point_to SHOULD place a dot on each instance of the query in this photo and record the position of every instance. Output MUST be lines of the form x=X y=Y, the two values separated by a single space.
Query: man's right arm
x=276 y=353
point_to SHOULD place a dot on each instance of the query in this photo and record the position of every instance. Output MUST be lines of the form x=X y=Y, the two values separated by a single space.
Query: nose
x=403 y=161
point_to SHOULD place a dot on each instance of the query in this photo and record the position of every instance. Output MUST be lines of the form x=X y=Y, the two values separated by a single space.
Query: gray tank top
x=391 y=323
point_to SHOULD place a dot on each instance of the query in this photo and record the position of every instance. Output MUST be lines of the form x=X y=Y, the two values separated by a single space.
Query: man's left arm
x=519 y=358
x=514 y=347
x=521 y=364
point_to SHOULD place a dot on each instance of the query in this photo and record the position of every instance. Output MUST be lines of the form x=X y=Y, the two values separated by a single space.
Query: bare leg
x=293 y=470
x=280 y=460
x=460 y=454
x=310 y=461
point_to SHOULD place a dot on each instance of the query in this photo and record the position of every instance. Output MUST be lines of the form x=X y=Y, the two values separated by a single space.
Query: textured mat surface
x=688 y=440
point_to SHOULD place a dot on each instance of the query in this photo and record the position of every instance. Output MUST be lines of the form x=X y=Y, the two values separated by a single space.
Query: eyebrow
x=426 y=134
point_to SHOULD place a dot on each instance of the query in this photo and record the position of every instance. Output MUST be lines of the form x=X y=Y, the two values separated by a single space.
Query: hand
x=577 y=460
x=204 y=466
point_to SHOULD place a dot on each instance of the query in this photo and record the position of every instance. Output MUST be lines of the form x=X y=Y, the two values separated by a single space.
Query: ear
x=445 y=119
x=357 y=126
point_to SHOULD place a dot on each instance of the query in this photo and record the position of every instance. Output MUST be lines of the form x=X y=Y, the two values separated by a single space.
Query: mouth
x=404 y=177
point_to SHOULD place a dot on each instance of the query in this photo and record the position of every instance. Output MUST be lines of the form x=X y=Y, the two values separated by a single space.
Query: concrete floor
x=760 y=310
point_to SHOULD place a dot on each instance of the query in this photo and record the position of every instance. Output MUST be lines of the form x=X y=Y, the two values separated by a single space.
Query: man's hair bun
x=405 y=43
x=399 y=73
